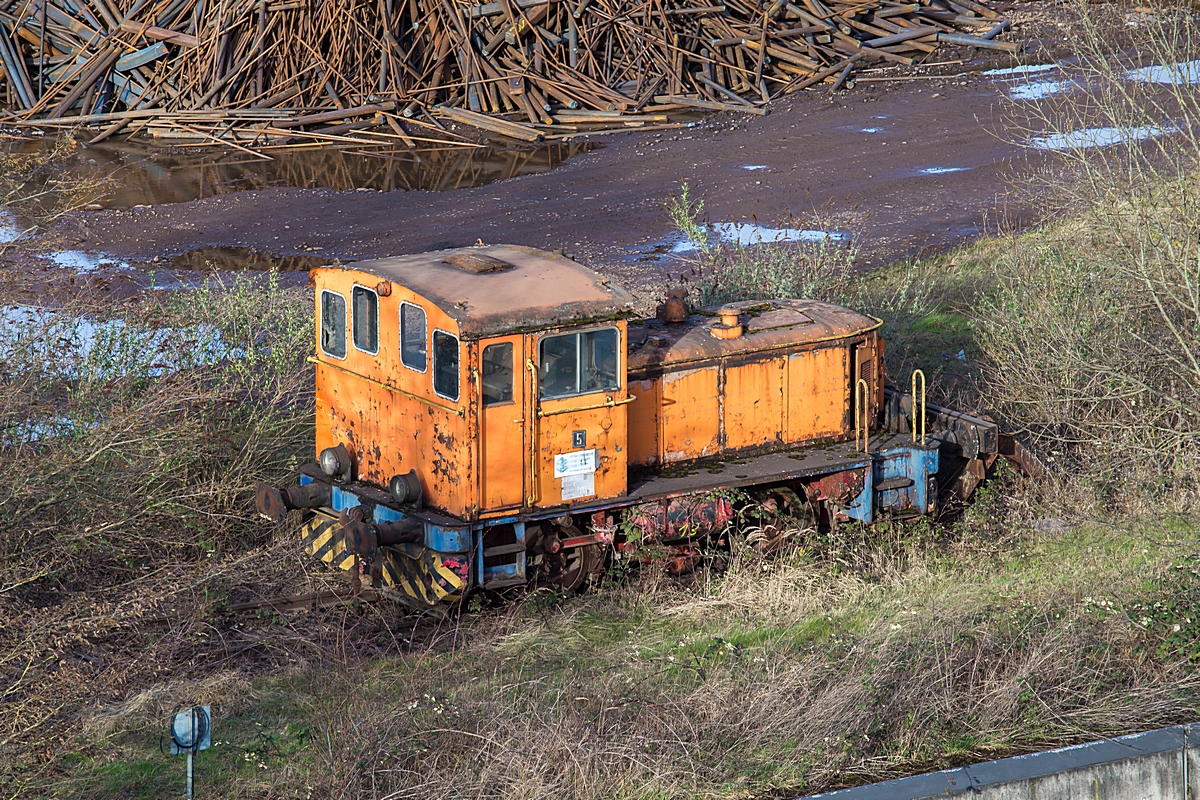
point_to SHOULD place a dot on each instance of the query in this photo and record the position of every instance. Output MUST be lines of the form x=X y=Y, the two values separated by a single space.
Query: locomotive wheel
x=577 y=564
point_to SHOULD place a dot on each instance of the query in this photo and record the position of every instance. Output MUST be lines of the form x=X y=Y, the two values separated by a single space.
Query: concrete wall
x=1140 y=766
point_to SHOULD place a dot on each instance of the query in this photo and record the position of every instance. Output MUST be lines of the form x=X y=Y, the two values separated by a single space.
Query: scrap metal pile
x=262 y=71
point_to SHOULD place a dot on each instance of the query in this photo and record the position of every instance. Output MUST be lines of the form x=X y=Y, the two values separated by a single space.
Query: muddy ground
x=911 y=165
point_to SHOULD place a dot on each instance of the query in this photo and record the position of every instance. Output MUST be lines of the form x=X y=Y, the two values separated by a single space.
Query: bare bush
x=1093 y=337
x=819 y=268
x=132 y=437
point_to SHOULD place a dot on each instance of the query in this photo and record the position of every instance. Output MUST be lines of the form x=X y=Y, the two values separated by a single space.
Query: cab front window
x=333 y=324
x=366 y=320
x=445 y=365
x=579 y=363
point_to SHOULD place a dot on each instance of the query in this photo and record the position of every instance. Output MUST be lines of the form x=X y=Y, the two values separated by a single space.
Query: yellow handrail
x=917 y=372
x=462 y=412
x=606 y=404
x=862 y=412
x=533 y=435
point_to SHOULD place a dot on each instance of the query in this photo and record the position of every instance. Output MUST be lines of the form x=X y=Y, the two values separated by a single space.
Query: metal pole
x=192 y=751
x=42 y=54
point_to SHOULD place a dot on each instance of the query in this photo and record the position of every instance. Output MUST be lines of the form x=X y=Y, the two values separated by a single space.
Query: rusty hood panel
x=768 y=325
x=530 y=290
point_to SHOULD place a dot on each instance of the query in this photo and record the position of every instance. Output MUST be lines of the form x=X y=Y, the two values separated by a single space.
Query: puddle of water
x=203 y=259
x=941 y=170
x=738 y=234
x=753 y=167
x=148 y=174
x=745 y=234
x=1097 y=137
x=82 y=261
x=74 y=347
x=1036 y=90
x=1178 y=74
x=872 y=130
x=242 y=258
x=10 y=231
x=1025 y=69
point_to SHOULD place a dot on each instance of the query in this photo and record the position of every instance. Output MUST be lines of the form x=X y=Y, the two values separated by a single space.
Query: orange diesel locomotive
x=493 y=416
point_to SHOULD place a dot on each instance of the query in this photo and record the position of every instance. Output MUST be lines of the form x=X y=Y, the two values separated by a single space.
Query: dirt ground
x=908 y=166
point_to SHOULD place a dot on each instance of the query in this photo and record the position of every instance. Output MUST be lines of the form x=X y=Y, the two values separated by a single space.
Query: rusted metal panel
x=753 y=404
x=644 y=422
x=779 y=324
x=541 y=290
x=839 y=488
x=679 y=518
x=596 y=471
x=690 y=420
x=818 y=391
x=1020 y=456
x=389 y=415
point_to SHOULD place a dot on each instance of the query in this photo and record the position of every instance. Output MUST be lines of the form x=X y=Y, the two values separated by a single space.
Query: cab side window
x=445 y=365
x=578 y=363
x=333 y=324
x=366 y=320
x=498 y=374
x=412 y=337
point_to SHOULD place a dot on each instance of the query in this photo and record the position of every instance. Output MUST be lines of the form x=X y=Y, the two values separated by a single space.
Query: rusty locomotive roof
x=495 y=289
x=768 y=325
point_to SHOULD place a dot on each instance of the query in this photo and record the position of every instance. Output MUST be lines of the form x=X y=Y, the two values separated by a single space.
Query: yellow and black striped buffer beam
x=411 y=569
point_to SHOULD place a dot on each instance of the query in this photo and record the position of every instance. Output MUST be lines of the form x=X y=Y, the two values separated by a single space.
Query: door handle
x=519 y=421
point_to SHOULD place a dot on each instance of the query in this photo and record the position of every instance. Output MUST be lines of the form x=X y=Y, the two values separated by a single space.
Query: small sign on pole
x=190 y=732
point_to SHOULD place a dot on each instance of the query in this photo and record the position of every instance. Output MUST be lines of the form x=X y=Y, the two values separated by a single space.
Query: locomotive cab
x=494 y=376
x=489 y=413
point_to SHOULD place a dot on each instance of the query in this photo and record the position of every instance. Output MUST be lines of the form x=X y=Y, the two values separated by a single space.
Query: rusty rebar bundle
x=254 y=71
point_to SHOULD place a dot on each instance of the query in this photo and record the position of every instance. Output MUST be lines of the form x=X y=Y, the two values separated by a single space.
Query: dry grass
x=132 y=436
x=863 y=658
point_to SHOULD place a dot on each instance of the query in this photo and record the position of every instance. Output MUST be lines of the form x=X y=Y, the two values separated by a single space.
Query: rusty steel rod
x=509 y=68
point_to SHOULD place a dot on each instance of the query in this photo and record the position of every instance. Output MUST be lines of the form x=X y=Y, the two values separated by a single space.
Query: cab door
x=504 y=436
x=581 y=406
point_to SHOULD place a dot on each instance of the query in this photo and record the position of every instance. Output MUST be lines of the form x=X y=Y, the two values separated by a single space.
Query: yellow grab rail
x=917 y=372
x=533 y=435
x=610 y=403
x=462 y=412
x=862 y=411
